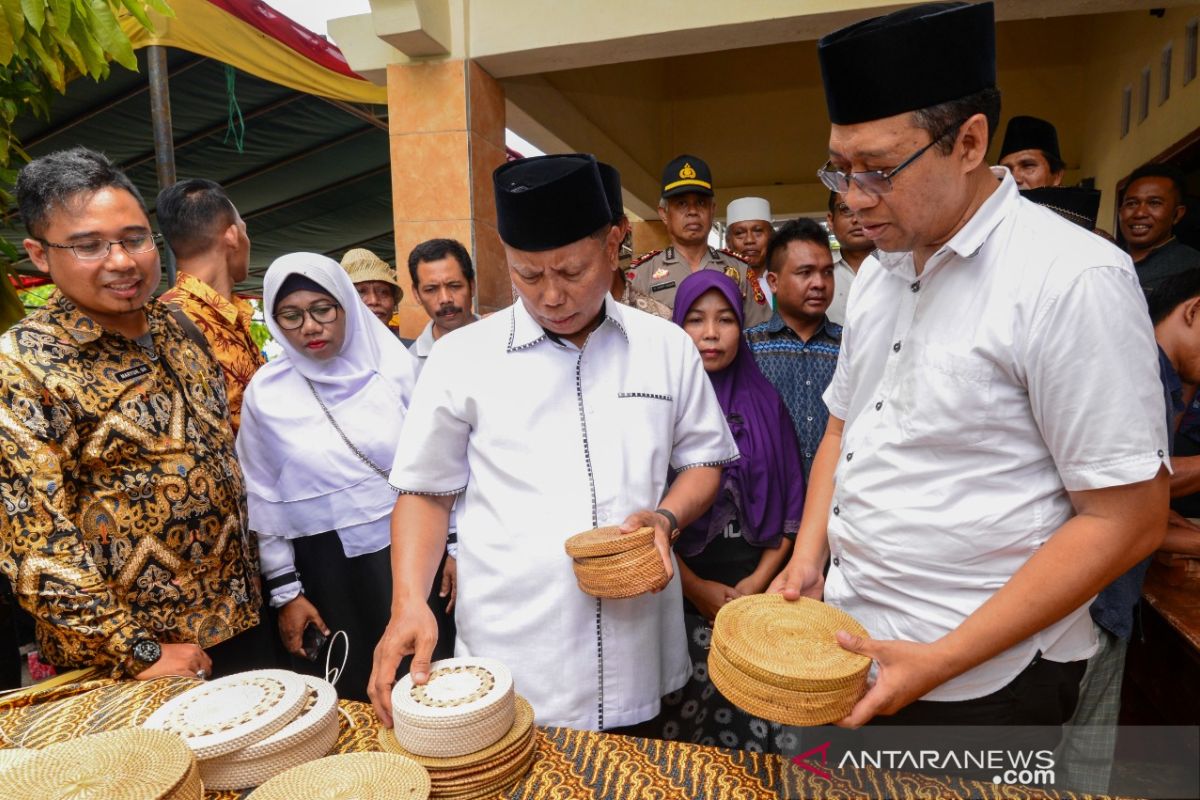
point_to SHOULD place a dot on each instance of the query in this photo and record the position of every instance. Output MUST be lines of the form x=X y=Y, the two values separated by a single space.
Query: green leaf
x=51 y=65
x=138 y=9
x=69 y=47
x=15 y=17
x=35 y=13
x=7 y=40
x=93 y=53
x=108 y=32
x=60 y=12
x=161 y=7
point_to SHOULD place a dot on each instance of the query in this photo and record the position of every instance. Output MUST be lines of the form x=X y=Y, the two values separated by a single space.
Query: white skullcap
x=747 y=208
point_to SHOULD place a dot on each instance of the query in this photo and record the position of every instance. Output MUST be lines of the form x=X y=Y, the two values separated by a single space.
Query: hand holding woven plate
x=907 y=672
x=799 y=579
x=662 y=538
x=411 y=631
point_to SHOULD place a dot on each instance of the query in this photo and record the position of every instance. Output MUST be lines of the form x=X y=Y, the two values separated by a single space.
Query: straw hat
x=362 y=265
x=125 y=764
x=616 y=565
x=466 y=705
x=780 y=659
x=361 y=776
x=230 y=713
x=311 y=735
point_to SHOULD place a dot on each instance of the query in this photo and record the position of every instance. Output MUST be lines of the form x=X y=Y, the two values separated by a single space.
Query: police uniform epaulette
x=643 y=258
x=729 y=252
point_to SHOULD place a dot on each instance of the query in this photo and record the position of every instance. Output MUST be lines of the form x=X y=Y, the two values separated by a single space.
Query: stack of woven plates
x=612 y=564
x=780 y=660
x=465 y=726
x=249 y=727
x=352 y=776
x=127 y=764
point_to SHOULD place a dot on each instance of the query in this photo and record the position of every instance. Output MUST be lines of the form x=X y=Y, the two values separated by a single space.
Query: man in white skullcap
x=748 y=231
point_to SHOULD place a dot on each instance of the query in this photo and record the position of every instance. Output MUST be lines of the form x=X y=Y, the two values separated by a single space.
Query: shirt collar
x=972 y=236
x=82 y=328
x=828 y=327
x=524 y=331
x=424 y=343
x=208 y=295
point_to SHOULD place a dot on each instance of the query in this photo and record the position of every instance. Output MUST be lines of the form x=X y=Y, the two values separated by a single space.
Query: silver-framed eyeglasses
x=322 y=313
x=875 y=181
x=96 y=249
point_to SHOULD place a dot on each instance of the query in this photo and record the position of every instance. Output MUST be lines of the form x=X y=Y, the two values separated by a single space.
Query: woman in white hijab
x=319 y=431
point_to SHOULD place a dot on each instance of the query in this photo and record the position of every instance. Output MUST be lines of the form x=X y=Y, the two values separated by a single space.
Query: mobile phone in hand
x=314 y=641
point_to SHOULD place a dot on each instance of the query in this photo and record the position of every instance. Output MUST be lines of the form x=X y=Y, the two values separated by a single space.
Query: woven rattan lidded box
x=126 y=764
x=780 y=660
x=234 y=712
x=363 y=776
x=466 y=705
x=616 y=565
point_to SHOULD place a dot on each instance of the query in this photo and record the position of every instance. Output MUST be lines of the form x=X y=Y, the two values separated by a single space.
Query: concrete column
x=446 y=123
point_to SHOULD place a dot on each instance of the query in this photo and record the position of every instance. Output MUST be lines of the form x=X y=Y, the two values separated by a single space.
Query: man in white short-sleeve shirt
x=564 y=412
x=996 y=445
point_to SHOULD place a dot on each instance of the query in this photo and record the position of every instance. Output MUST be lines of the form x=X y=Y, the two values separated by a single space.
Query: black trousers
x=355 y=595
x=251 y=649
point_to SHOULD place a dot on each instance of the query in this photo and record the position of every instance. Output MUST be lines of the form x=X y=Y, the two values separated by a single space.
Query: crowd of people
x=957 y=410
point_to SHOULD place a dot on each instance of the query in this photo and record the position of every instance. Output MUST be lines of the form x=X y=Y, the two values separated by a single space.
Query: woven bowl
x=125 y=764
x=230 y=713
x=224 y=774
x=318 y=711
x=351 y=776
x=790 y=644
x=626 y=574
x=607 y=541
x=466 y=705
x=780 y=705
x=511 y=743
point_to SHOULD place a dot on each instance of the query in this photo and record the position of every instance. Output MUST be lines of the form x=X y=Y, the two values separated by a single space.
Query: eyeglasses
x=321 y=313
x=876 y=181
x=96 y=249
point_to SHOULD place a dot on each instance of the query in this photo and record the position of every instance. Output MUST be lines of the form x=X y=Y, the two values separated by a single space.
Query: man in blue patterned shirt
x=798 y=348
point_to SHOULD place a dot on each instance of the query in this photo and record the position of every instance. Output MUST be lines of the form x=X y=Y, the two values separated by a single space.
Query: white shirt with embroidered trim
x=545 y=440
x=1020 y=365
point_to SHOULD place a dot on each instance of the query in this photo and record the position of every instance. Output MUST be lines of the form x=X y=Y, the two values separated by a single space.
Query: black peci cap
x=612 y=190
x=549 y=201
x=1079 y=205
x=908 y=60
x=1030 y=133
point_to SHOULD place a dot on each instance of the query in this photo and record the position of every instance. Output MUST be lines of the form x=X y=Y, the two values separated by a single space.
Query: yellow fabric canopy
x=202 y=28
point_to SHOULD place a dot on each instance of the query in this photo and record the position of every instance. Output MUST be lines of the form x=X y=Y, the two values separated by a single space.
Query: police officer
x=686 y=208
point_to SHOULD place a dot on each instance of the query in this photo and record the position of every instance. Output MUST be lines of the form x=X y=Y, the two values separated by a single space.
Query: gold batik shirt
x=226 y=326
x=125 y=513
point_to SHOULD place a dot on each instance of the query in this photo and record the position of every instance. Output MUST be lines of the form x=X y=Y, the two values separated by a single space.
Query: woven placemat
x=319 y=709
x=230 y=713
x=607 y=541
x=125 y=764
x=223 y=774
x=780 y=705
x=627 y=574
x=789 y=644
x=522 y=729
x=13 y=756
x=350 y=776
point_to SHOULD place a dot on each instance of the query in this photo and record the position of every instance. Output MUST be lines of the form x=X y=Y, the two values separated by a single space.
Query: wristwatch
x=145 y=654
x=671 y=520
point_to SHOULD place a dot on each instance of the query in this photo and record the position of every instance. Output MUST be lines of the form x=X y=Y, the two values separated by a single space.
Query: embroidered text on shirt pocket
x=649 y=395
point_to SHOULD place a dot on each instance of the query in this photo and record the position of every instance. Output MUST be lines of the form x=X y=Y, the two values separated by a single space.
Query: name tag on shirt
x=133 y=372
x=659 y=287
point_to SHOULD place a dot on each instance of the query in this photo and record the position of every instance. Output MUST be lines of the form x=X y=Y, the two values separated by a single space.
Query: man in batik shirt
x=124 y=512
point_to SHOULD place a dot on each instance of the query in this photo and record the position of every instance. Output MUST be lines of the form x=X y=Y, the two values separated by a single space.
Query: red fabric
x=21 y=282
x=293 y=34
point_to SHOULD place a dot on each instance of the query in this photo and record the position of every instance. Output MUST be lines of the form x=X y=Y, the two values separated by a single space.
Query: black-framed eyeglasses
x=96 y=249
x=875 y=181
x=322 y=313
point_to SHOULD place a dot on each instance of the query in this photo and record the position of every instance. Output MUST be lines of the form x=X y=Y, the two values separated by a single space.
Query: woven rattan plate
x=789 y=644
x=511 y=742
x=320 y=707
x=13 y=756
x=222 y=774
x=607 y=541
x=351 y=776
x=126 y=764
x=780 y=705
x=231 y=713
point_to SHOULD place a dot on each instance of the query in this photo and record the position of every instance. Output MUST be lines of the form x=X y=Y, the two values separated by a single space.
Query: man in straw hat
x=376 y=283
x=564 y=412
x=996 y=450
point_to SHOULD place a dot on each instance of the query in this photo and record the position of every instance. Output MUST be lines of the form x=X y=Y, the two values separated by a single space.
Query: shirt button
x=810 y=419
x=849 y=456
x=896 y=347
x=808 y=383
x=1160 y=453
x=808 y=455
x=916 y=286
x=837 y=511
x=879 y=405
x=837 y=562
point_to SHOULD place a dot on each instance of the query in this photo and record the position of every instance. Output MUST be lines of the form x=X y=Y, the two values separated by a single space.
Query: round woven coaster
x=521 y=729
x=126 y=764
x=492 y=789
x=790 y=644
x=350 y=776
x=607 y=541
x=230 y=713
x=780 y=705
x=518 y=764
x=13 y=756
x=626 y=574
x=320 y=706
x=224 y=774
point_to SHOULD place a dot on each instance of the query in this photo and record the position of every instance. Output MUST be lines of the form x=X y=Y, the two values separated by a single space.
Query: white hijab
x=301 y=477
